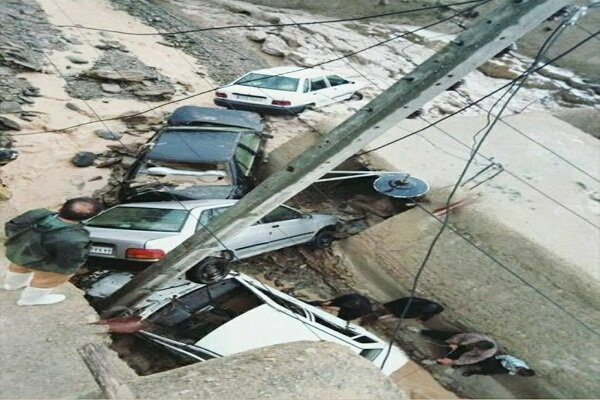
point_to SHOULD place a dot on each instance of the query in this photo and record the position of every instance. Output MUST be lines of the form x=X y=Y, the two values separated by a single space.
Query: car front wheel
x=322 y=239
x=209 y=270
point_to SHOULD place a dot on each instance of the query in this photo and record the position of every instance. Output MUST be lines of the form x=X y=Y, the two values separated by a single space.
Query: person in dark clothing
x=421 y=309
x=350 y=306
x=46 y=249
x=501 y=364
x=465 y=348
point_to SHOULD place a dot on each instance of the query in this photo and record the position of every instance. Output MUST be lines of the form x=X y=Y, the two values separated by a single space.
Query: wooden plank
x=105 y=372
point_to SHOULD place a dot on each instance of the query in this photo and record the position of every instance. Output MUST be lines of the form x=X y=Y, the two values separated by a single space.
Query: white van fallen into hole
x=237 y=314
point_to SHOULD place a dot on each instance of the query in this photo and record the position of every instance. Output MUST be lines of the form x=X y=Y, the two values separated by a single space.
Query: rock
x=145 y=119
x=95 y=178
x=156 y=91
x=7 y=155
x=31 y=92
x=109 y=162
x=107 y=134
x=111 y=87
x=83 y=159
x=26 y=100
x=7 y=124
x=497 y=69
x=7 y=107
x=5 y=194
x=127 y=161
x=112 y=75
x=73 y=106
x=72 y=40
x=257 y=36
x=77 y=60
x=275 y=46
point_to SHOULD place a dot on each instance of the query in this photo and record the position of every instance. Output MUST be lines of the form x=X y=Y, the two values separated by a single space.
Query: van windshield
x=269 y=82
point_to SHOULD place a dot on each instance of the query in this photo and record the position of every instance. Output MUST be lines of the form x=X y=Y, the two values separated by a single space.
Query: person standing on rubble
x=465 y=348
x=46 y=248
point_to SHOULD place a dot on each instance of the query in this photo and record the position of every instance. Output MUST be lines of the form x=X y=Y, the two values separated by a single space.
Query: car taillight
x=221 y=94
x=144 y=254
x=281 y=103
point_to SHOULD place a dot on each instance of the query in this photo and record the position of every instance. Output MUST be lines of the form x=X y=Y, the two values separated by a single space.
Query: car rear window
x=141 y=219
x=269 y=82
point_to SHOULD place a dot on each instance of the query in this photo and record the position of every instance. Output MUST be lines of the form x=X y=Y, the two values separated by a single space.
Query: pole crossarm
x=491 y=34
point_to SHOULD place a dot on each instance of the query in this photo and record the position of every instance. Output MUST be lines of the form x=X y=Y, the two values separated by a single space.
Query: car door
x=246 y=243
x=287 y=227
x=339 y=88
x=317 y=93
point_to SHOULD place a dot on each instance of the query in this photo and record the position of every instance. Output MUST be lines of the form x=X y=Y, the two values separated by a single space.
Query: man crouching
x=46 y=249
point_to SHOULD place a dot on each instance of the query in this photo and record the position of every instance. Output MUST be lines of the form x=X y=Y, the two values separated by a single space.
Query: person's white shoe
x=16 y=280
x=33 y=296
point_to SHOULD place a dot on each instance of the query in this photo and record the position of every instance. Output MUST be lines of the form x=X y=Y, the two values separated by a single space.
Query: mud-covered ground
x=96 y=74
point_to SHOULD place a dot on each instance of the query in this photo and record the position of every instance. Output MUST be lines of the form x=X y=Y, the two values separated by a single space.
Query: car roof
x=182 y=205
x=194 y=146
x=208 y=116
x=294 y=72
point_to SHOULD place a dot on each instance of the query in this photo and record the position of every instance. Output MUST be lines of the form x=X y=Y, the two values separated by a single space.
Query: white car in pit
x=238 y=313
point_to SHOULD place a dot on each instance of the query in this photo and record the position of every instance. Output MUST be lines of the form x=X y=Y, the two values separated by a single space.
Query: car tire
x=356 y=96
x=322 y=239
x=209 y=270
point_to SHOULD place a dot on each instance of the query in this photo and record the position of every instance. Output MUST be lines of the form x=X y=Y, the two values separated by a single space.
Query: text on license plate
x=101 y=250
x=250 y=98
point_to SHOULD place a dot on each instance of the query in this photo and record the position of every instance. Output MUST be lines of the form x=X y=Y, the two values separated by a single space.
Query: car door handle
x=274 y=226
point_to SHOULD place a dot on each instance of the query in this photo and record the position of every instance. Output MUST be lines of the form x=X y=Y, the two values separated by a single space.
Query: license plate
x=106 y=251
x=251 y=99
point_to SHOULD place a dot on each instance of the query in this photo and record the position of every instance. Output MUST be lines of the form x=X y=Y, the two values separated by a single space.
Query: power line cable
x=380 y=43
x=216 y=28
x=532 y=68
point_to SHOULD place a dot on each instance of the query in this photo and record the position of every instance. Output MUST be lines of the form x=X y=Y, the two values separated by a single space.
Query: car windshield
x=141 y=219
x=192 y=316
x=269 y=82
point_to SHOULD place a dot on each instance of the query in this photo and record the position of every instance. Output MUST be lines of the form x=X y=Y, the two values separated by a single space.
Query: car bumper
x=95 y=262
x=260 y=108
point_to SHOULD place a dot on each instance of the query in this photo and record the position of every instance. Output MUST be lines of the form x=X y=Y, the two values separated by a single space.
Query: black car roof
x=193 y=115
x=194 y=146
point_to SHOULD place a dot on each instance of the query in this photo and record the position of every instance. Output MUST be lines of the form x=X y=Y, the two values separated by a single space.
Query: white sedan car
x=287 y=89
x=238 y=314
x=145 y=232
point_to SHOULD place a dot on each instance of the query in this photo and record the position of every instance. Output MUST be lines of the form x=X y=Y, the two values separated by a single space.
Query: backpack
x=25 y=239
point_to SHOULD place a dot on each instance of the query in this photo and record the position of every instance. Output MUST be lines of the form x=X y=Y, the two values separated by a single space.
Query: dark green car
x=202 y=153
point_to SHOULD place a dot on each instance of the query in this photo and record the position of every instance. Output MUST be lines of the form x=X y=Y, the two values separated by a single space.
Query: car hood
x=111 y=235
x=204 y=192
x=239 y=334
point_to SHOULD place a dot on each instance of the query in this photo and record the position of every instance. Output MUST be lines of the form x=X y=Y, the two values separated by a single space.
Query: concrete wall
x=481 y=295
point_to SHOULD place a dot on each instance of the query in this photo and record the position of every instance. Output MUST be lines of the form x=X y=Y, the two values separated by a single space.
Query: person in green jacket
x=46 y=249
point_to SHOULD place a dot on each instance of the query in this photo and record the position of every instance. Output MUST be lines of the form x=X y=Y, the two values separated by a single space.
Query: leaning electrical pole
x=491 y=34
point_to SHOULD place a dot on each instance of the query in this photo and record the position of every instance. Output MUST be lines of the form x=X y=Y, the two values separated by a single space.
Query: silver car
x=145 y=232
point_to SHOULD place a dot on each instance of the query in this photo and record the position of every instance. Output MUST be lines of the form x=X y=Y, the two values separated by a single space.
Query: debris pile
x=120 y=74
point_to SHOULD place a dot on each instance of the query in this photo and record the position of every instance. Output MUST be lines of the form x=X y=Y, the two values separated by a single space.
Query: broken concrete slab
x=300 y=370
x=77 y=60
x=9 y=107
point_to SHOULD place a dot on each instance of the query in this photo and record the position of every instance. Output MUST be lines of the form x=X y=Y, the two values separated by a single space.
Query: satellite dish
x=401 y=186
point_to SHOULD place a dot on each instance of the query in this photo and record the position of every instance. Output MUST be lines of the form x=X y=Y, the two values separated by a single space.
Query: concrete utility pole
x=492 y=33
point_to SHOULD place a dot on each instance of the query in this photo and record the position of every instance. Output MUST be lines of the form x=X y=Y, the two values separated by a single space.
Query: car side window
x=207 y=215
x=317 y=84
x=306 y=86
x=281 y=213
x=335 y=80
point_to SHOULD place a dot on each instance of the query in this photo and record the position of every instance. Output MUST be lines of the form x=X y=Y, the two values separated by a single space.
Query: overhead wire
x=421 y=269
x=217 y=28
